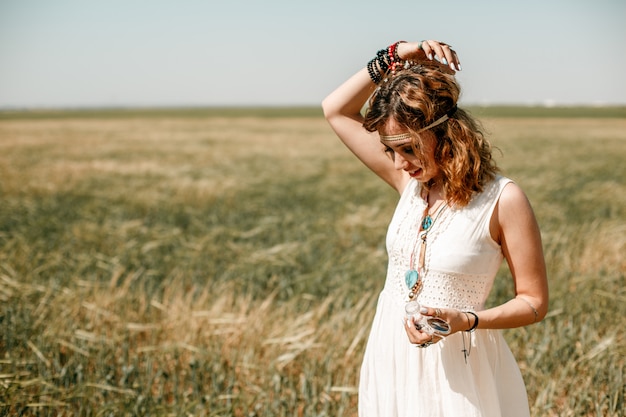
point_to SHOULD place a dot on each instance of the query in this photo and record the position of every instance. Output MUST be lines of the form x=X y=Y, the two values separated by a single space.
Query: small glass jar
x=430 y=325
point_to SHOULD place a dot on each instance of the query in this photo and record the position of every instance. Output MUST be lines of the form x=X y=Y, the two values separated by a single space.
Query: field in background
x=227 y=262
x=297 y=112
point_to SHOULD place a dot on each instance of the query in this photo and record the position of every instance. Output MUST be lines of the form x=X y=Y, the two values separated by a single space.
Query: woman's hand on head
x=431 y=50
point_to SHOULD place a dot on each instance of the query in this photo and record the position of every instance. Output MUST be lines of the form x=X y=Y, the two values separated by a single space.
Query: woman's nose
x=399 y=161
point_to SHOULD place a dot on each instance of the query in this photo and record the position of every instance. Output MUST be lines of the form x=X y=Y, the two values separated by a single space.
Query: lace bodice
x=461 y=257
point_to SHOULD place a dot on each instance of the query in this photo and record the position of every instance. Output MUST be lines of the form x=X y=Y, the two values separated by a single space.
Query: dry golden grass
x=230 y=265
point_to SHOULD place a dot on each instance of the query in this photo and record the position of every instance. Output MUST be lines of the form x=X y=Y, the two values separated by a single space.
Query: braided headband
x=404 y=136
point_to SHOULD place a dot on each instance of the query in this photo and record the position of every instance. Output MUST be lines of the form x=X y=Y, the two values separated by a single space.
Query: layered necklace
x=414 y=276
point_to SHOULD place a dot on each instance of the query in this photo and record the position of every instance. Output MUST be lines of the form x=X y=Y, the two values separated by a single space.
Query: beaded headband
x=404 y=136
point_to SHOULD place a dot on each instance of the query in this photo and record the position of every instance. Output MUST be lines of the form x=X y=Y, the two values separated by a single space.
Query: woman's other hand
x=431 y=50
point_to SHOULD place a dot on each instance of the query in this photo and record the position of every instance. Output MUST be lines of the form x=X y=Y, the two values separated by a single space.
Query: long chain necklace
x=414 y=277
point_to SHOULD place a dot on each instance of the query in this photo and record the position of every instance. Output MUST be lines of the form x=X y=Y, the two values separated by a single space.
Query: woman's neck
x=435 y=195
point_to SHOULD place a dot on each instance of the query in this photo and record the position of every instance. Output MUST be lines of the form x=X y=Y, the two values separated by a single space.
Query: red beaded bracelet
x=394 y=58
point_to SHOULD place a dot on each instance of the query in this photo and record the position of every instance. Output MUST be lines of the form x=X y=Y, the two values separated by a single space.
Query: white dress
x=400 y=380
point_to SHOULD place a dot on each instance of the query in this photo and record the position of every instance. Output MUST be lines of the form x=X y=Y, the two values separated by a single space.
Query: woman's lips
x=415 y=173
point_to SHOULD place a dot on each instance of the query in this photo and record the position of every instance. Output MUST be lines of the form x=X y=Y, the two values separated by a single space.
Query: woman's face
x=420 y=165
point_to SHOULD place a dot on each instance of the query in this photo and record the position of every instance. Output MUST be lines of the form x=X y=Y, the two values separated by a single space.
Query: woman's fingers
x=417 y=336
x=442 y=52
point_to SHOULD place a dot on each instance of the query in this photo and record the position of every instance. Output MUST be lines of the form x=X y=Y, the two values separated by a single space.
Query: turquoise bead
x=411 y=277
x=427 y=222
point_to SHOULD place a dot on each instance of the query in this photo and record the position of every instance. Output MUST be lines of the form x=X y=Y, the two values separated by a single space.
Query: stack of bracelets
x=385 y=60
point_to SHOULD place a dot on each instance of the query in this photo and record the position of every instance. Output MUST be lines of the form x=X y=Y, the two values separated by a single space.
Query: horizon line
x=275 y=106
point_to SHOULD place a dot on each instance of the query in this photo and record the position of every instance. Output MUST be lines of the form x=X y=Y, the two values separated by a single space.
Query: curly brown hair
x=417 y=96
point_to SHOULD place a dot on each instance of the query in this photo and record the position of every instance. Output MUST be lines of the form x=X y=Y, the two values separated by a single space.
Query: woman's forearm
x=517 y=312
x=348 y=99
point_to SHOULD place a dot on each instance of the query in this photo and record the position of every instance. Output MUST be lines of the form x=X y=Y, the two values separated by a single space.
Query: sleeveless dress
x=399 y=379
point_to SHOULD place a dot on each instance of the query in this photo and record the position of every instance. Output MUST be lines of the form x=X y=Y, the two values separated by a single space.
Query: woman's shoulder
x=512 y=195
x=491 y=191
x=505 y=188
x=500 y=181
x=499 y=186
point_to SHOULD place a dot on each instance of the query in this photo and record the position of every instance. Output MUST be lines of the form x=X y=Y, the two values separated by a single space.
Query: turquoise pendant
x=411 y=277
x=427 y=222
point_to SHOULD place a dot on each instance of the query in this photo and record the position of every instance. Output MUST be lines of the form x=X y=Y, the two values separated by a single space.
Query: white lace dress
x=400 y=380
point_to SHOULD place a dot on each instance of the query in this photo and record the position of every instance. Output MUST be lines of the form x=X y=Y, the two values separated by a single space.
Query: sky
x=155 y=53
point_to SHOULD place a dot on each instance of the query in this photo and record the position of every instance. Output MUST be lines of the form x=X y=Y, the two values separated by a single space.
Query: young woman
x=456 y=219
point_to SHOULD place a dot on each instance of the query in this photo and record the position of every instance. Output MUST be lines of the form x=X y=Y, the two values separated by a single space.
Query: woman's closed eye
x=408 y=150
x=390 y=152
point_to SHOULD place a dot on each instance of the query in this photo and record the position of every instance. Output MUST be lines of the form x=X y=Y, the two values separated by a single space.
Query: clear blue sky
x=72 y=53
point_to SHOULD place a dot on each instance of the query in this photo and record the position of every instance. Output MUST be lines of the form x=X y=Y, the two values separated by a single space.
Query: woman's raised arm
x=342 y=108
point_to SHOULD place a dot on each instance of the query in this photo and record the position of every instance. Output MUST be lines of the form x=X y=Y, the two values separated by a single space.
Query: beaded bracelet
x=385 y=60
x=382 y=62
x=376 y=65
x=394 y=58
x=373 y=71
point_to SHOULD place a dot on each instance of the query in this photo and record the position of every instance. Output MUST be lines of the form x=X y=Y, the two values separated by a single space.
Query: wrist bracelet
x=471 y=329
x=381 y=57
x=385 y=60
x=469 y=323
x=373 y=71
x=393 y=54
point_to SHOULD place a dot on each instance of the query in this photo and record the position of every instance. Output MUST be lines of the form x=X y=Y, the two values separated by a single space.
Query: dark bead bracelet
x=382 y=59
x=373 y=72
